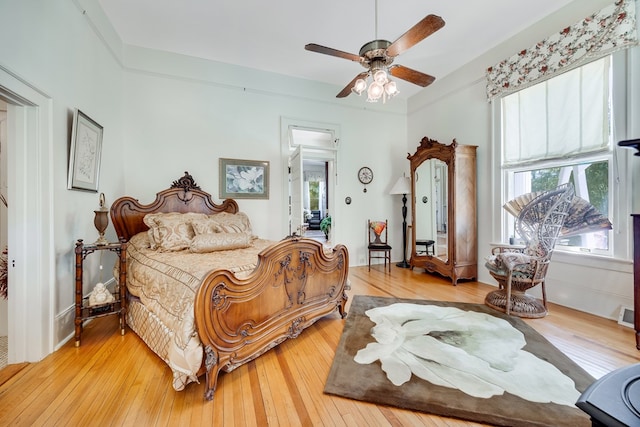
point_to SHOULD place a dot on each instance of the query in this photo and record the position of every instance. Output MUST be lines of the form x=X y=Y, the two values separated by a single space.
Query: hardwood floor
x=114 y=380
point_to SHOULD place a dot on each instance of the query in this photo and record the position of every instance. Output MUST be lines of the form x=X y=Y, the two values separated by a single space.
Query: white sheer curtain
x=559 y=117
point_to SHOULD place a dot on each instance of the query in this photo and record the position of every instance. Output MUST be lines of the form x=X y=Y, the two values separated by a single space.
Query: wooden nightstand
x=83 y=310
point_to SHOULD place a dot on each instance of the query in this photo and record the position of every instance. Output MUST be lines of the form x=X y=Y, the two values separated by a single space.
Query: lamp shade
x=402 y=186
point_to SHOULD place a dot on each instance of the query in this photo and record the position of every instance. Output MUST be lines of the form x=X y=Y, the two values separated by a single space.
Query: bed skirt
x=159 y=339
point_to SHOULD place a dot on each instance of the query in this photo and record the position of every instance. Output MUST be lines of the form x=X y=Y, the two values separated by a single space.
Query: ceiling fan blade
x=423 y=29
x=333 y=52
x=412 y=76
x=347 y=89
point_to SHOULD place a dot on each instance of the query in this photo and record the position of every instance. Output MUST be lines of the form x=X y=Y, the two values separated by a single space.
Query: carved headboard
x=183 y=196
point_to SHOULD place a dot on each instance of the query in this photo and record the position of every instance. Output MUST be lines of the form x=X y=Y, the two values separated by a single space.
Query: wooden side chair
x=378 y=244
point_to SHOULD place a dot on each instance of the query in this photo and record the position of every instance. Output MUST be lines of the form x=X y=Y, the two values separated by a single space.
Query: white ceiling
x=271 y=35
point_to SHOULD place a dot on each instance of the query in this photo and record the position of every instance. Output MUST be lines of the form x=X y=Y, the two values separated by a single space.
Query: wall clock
x=365 y=175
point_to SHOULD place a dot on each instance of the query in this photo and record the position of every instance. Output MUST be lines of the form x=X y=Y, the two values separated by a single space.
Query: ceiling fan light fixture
x=375 y=91
x=391 y=89
x=380 y=77
x=378 y=55
x=359 y=86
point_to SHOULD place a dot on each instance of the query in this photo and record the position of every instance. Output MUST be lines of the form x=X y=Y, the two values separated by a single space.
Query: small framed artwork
x=84 y=155
x=244 y=179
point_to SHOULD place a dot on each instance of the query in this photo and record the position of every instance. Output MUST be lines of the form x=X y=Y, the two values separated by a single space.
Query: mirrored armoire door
x=444 y=227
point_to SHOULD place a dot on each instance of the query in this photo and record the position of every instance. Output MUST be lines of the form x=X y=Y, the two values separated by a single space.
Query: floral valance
x=612 y=28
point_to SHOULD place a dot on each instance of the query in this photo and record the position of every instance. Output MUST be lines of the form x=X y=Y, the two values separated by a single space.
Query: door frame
x=327 y=153
x=30 y=219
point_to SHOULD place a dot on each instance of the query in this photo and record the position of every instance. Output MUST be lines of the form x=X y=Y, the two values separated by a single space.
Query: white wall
x=456 y=107
x=184 y=113
x=53 y=47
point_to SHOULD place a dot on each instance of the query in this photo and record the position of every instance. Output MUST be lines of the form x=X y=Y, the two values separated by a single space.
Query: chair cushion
x=503 y=262
x=379 y=246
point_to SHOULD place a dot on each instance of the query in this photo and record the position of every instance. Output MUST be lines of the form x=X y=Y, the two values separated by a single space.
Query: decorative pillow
x=492 y=264
x=211 y=242
x=223 y=222
x=204 y=225
x=233 y=223
x=505 y=261
x=171 y=231
x=152 y=241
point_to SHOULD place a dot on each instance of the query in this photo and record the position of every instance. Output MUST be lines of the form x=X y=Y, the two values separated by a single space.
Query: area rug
x=548 y=377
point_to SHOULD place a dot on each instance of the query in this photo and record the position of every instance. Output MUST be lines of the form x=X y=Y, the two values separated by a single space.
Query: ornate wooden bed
x=295 y=282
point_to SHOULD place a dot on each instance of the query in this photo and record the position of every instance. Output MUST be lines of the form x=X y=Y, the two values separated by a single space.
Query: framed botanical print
x=244 y=179
x=84 y=155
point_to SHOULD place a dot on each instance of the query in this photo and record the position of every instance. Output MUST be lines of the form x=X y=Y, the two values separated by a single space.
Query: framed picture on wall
x=84 y=153
x=244 y=179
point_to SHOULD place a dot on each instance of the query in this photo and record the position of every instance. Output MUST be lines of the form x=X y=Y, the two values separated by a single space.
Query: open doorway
x=31 y=276
x=4 y=308
x=311 y=150
x=315 y=180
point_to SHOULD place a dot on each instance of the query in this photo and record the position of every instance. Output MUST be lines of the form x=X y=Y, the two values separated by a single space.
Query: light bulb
x=391 y=89
x=375 y=91
x=359 y=86
x=380 y=77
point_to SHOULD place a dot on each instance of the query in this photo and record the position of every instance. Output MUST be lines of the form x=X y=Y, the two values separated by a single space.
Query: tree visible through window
x=314 y=195
x=591 y=181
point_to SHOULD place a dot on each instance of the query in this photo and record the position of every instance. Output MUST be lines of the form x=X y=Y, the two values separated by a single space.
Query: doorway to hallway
x=310 y=150
x=315 y=181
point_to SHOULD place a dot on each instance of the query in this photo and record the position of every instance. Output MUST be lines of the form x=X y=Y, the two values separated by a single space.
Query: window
x=314 y=195
x=560 y=131
x=591 y=182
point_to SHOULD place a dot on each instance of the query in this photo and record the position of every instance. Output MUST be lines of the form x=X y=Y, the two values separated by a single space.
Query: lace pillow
x=170 y=231
x=219 y=242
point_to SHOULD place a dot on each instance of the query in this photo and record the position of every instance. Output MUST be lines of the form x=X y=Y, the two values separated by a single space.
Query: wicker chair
x=517 y=269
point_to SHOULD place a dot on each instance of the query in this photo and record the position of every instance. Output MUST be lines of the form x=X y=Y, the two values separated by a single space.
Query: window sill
x=593 y=261
x=588 y=260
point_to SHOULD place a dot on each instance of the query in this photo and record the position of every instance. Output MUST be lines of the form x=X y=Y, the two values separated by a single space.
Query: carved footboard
x=294 y=284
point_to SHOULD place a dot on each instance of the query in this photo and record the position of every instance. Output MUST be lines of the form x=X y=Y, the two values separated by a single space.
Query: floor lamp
x=403 y=186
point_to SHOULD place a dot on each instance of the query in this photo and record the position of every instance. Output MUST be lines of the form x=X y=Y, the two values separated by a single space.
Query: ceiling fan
x=378 y=55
